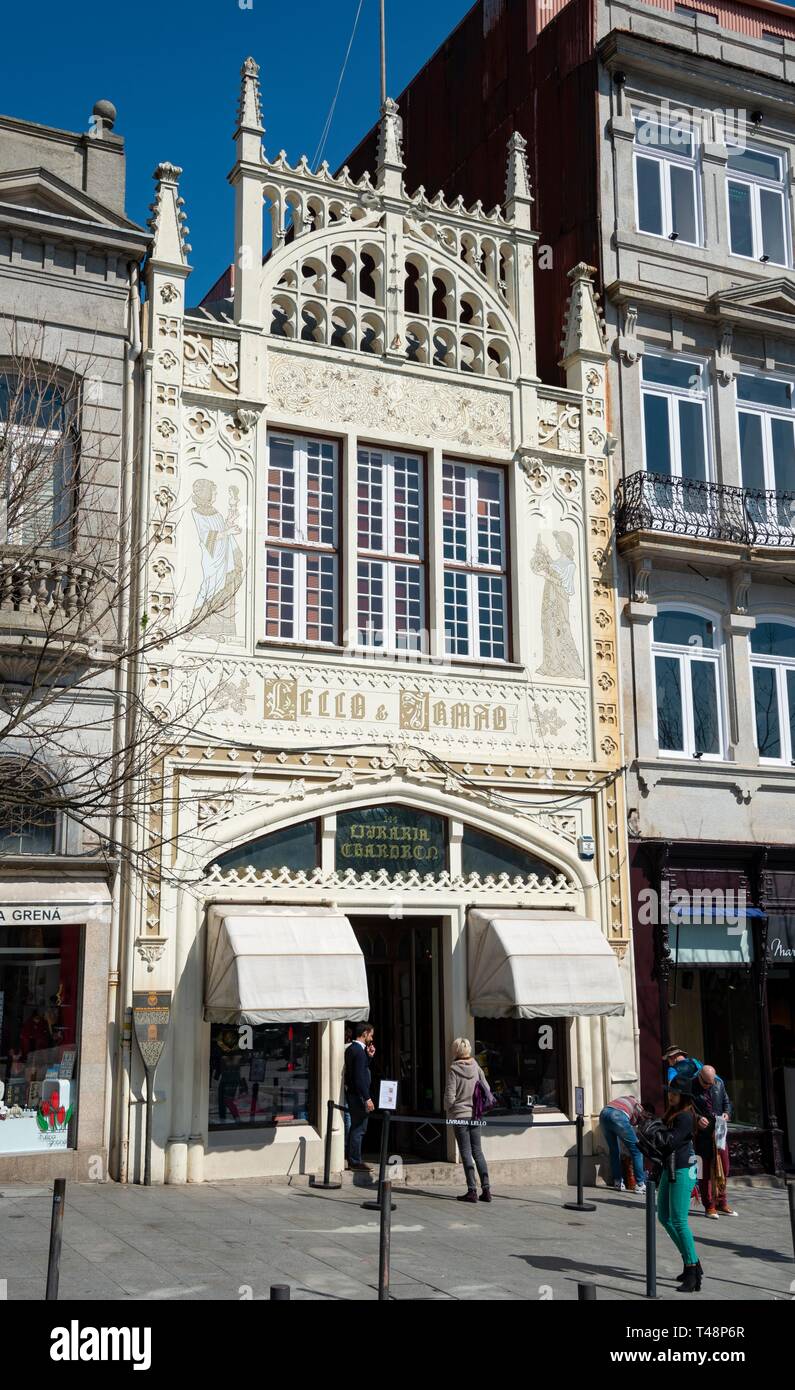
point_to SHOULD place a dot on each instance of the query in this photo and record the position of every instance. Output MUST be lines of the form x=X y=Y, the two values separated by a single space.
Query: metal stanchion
x=791 y=1195
x=579 y=1205
x=586 y=1293
x=376 y=1205
x=56 y=1234
x=651 y=1237
x=280 y=1293
x=327 y=1184
x=385 y=1240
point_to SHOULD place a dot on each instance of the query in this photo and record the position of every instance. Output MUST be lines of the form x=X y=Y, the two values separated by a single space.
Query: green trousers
x=673 y=1208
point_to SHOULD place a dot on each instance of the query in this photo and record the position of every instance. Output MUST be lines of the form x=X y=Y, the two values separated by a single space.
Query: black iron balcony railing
x=708 y=511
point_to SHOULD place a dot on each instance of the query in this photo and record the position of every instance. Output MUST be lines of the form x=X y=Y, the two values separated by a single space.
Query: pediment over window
x=755 y=303
x=38 y=190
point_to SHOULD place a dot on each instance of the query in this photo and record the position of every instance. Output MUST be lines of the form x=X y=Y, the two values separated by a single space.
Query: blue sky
x=172 y=70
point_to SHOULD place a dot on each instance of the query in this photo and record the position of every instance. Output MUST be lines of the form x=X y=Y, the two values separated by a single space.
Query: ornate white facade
x=370 y=323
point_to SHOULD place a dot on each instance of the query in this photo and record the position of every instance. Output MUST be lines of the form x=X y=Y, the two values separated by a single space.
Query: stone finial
x=249 y=111
x=517 y=182
x=103 y=117
x=390 y=148
x=583 y=330
x=168 y=222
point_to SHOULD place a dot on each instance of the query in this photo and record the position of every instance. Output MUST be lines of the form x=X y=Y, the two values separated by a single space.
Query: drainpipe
x=132 y=352
x=133 y=832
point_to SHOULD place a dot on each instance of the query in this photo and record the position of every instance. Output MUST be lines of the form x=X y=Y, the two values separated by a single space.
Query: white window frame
x=473 y=569
x=767 y=413
x=299 y=546
x=686 y=655
x=756 y=182
x=666 y=160
x=672 y=395
x=390 y=557
x=780 y=665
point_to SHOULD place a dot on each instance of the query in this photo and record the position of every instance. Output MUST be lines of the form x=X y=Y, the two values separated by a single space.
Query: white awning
x=283 y=965
x=540 y=965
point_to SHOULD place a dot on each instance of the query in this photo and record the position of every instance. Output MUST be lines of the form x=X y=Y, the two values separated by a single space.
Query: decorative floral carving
x=211 y=363
x=392 y=401
x=533 y=469
x=150 y=949
x=200 y=423
x=559 y=424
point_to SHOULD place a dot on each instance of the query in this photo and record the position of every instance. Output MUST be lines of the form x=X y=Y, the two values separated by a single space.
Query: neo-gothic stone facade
x=390 y=545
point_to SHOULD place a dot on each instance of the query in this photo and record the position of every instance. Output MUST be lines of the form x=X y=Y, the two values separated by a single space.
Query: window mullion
x=668 y=222
x=474 y=616
x=299 y=617
x=687 y=701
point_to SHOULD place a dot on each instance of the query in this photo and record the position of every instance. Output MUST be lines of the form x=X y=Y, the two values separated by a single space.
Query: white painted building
x=395 y=719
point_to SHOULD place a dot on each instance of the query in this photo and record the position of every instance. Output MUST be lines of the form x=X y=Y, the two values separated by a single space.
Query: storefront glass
x=715 y=1018
x=395 y=838
x=262 y=1075
x=39 y=1020
x=521 y=1060
x=486 y=854
x=295 y=847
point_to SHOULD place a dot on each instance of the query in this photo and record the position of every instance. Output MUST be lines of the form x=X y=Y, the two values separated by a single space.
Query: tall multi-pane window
x=773 y=669
x=676 y=436
x=475 y=597
x=390 y=578
x=766 y=425
x=687 y=684
x=37 y=463
x=757 y=191
x=301 y=579
x=666 y=180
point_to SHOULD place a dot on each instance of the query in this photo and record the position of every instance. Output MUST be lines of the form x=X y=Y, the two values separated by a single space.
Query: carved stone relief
x=330 y=391
x=210 y=363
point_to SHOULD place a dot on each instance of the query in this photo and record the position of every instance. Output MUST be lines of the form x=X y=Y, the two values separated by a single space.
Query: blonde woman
x=459 y=1093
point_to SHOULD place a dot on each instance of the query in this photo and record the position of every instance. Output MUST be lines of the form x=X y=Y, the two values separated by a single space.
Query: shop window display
x=521 y=1061
x=39 y=993
x=261 y=1075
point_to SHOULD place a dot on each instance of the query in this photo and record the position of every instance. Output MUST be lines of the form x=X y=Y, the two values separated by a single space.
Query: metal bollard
x=385 y=1241
x=376 y=1205
x=56 y=1235
x=579 y=1205
x=280 y=1293
x=586 y=1293
x=651 y=1237
x=327 y=1184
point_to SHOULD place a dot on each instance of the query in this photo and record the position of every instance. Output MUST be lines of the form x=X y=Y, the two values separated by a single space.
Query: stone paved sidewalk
x=233 y=1240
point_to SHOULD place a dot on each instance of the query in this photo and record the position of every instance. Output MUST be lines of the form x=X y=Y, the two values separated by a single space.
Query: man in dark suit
x=357 y=1092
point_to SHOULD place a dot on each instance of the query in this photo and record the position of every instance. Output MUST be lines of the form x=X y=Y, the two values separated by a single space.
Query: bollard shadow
x=561 y=1265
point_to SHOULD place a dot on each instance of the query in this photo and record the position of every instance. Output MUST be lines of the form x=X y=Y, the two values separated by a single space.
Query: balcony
x=658 y=515
x=53 y=609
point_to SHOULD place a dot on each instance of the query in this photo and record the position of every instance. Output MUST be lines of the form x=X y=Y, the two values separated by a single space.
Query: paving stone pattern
x=234 y=1240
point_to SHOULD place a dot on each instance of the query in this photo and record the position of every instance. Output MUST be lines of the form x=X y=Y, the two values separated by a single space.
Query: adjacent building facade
x=69 y=338
x=395 y=789
x=678 y=184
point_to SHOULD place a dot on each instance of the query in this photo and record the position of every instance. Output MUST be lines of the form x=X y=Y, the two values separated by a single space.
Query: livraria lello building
x=388 y=782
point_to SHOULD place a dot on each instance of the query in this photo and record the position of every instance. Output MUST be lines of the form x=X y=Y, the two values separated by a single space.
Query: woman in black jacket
x=673 y=1207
